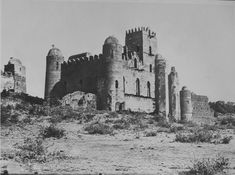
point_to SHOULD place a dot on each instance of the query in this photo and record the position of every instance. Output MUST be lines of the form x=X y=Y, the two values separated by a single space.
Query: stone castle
x=131 y=77
x=13 y=78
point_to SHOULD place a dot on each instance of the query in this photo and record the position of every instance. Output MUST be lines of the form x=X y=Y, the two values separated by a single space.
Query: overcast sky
x=197 y=37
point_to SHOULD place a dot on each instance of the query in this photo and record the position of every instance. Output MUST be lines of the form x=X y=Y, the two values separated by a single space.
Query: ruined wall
x=160 y=85
x=139 y=103
x=201 y=106
x=174 y=96
x=16 y=71
x=7 y=81
x=79 y=100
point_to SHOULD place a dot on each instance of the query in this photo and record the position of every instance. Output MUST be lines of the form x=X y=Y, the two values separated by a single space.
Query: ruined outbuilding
x=13 y=77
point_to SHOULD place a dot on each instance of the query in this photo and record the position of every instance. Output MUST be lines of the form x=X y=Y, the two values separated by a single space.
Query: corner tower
x=54 y=60
x=110 y=90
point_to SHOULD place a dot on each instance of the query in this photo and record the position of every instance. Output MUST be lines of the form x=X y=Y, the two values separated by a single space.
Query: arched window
x=57 y=65
x=150 y=50
x=148 y=89
x=116 y=84
x=150 y=68
x=135 y=63
x=137 y=86
x=124 y=84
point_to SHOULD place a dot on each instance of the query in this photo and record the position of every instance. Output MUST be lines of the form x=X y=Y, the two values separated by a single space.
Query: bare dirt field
x=126 y=151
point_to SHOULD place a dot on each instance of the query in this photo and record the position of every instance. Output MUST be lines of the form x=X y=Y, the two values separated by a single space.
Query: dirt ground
x=127 y=151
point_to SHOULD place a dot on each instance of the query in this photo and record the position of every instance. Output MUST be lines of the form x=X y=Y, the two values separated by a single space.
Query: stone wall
x=7 y=81
x=201 y=106
x=79 y=100
x=139 y=103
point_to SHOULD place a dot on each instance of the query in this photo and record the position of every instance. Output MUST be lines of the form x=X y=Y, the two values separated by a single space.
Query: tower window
x=57 y=65
x=150 y=50
x=150 y=68
x=116 y=84
x=124 y=84
x=148 y=89
x=135 y=63
x=137 y=86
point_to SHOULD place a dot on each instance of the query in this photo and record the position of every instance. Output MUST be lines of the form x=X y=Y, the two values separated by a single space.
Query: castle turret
x=110 y=90
x=160 y=85
x=174 y=97
x=54 y=60
x=186 y=104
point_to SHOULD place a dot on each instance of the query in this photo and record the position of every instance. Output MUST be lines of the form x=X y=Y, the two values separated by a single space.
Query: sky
x=197 y=37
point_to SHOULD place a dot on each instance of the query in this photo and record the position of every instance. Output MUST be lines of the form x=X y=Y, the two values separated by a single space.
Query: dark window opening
x=137 y=86
x=135 y=63
x=116 y=84
x=150 y=50
x=148 y=89
x=57 y=65
x=124 y=84
x=150 y=68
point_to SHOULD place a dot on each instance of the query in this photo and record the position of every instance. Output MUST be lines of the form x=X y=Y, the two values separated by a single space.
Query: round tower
x=54 y=60
x=110 y=86
x=186 y=104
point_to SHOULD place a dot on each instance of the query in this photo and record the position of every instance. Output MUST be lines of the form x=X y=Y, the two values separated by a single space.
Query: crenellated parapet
x=141 y=29
x=76 y=62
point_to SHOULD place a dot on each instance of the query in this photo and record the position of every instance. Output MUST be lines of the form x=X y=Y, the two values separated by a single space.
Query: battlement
x=141 y=29
x=74 y=62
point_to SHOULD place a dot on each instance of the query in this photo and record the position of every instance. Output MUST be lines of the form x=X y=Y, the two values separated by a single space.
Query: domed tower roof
x=54 y=52
x=14 y=61
x=111 y=40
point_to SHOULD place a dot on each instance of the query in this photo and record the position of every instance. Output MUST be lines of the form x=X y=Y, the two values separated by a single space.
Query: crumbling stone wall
x=7 y=81
x=200 y=105
x=14 y=76
x=174 y=96
x=79 y=100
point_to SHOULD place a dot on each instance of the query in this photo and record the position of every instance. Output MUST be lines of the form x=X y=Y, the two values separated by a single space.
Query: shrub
x=210 y=166
x=175 y=129
x=196 y=136
x=229 y=120
x=121 y=124
x=52 y=131
x=32 y=150
x=150 y=134
x=164 y=124
x=98 y=128
x=226 y=139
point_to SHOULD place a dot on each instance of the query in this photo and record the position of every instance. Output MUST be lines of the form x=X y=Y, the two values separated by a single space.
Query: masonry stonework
x=130 y=77
x=14 y=76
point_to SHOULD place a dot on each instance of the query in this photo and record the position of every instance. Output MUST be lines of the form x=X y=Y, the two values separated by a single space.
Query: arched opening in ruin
x=137 y=86
x=124 y=84
x=135 y=63
x=148 y=89
x=150 y=50
x=119 y=106
x=116 y=84
x=150 y=68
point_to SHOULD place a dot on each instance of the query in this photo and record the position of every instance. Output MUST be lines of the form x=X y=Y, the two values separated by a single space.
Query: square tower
x=144 y=42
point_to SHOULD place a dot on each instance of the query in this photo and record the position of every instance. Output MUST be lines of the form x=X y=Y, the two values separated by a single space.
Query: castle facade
x=131 y=77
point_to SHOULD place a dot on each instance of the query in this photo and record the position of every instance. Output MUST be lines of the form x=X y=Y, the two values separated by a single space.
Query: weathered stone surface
x=79 y=100
x=14 y=76
x=174 y=96
x=186 y=104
